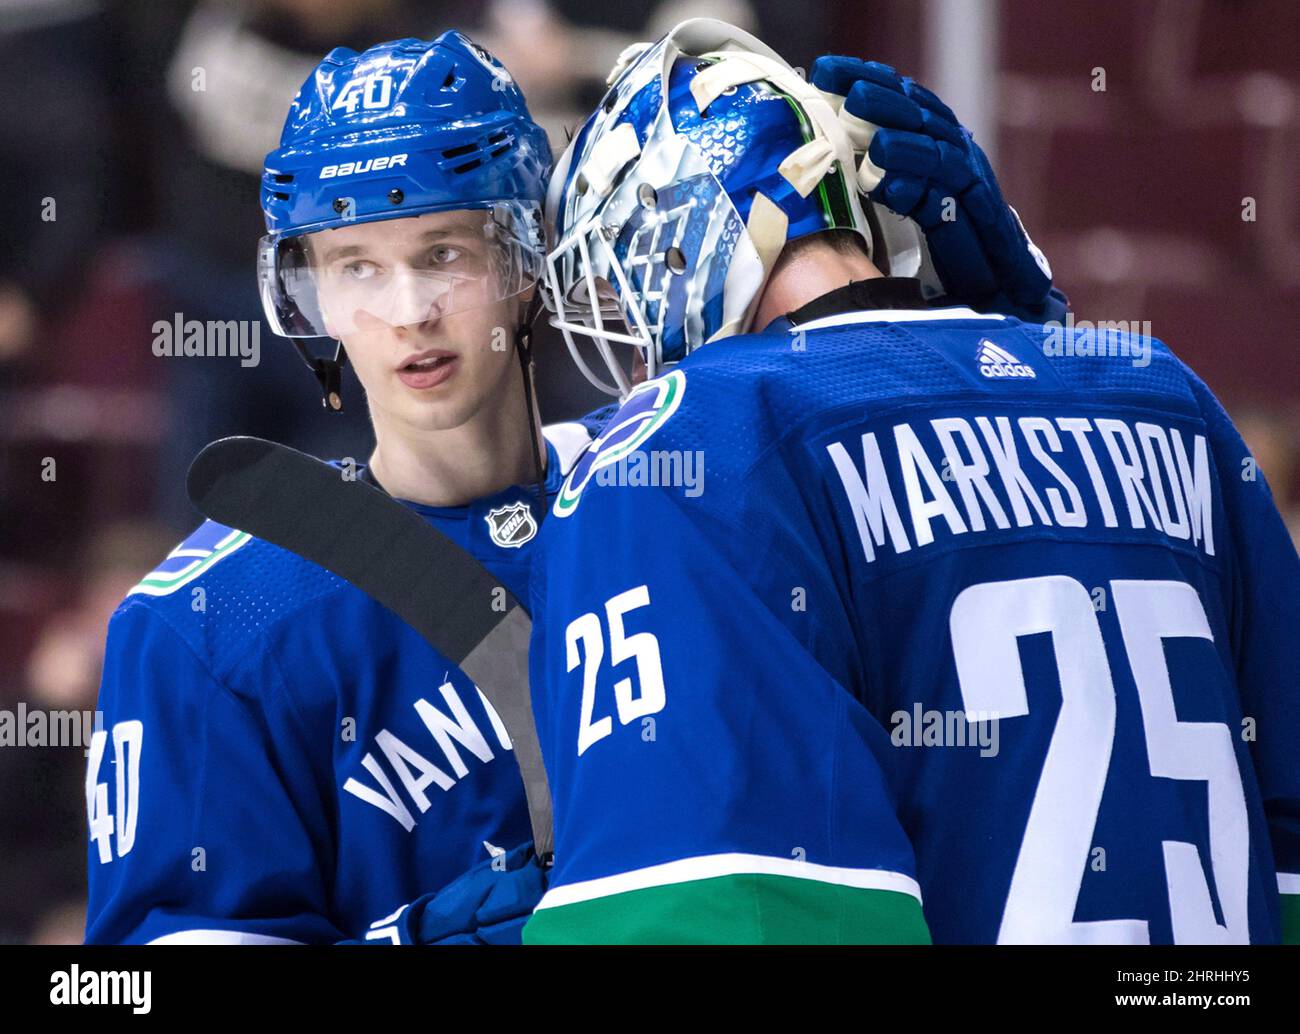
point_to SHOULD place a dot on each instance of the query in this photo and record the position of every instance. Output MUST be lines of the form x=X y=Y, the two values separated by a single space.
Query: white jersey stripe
x=843 y=319
x=219 y=937
x=570 y=441
x=1288 y=882
x=706 y=867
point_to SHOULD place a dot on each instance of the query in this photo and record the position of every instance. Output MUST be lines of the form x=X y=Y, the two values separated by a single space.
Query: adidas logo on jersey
x=998 y=362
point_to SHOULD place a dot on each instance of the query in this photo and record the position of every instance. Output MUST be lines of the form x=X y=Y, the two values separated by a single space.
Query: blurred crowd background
x=1170 y=194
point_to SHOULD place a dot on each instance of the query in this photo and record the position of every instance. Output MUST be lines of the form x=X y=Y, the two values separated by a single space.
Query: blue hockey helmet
x=405 y=129
x=673 y=201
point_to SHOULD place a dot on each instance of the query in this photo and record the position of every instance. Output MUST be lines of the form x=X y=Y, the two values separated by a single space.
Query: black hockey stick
x=398 y=559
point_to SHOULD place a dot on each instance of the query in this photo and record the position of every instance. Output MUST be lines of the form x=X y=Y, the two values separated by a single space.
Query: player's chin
x=440 y=409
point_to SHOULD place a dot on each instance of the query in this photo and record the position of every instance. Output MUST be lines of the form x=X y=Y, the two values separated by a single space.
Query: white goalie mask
x=673 y=201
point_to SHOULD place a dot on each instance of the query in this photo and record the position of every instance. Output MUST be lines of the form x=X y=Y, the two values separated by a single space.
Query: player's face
x=416 y=303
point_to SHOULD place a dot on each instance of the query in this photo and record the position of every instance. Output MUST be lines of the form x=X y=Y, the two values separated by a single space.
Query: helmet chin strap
x=524 y=349
x=329 y=373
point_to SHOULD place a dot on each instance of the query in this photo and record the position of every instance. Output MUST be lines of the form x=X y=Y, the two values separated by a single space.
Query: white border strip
x=707 y=867
x=219 y=937
x=1288 y=883
x=570 y=440
x=843 y=319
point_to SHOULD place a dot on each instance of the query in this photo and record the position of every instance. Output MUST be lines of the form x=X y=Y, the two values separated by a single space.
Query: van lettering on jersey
x=452 y=731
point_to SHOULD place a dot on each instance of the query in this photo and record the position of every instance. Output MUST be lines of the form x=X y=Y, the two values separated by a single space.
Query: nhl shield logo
x=511 y=526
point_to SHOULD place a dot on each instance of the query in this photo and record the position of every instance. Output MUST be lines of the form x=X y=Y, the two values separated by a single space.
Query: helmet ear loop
x=328 y=372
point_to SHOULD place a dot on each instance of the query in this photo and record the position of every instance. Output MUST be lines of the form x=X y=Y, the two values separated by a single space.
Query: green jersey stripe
x=1288 y=883
x=743 y=908
x=1291 y=918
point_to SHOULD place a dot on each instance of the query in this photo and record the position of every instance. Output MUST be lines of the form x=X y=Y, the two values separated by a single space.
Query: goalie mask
x=672 y=203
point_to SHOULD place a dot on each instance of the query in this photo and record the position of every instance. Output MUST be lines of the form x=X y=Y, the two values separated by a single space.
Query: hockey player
x=961 y=629
x=282 y=758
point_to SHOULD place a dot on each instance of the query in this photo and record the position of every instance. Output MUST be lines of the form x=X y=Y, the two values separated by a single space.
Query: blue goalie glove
x=489 y=904
x=918 y=161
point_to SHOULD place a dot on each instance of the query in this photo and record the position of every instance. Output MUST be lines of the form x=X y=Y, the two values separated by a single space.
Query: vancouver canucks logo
x=644 y=411
x=208 y=545
x=998 y=362
x=512 y=525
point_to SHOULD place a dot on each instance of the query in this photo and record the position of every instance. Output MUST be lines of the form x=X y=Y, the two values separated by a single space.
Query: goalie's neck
x=805 y=270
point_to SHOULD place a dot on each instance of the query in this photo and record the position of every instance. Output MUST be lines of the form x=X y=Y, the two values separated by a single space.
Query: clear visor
x=398 y=272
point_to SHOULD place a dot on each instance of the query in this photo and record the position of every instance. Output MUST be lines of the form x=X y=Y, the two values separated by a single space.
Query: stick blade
x=310 y=508
x=394 y=556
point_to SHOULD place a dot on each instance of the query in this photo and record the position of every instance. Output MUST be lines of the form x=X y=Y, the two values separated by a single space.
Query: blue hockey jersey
x=283 y=759
x=911 y=625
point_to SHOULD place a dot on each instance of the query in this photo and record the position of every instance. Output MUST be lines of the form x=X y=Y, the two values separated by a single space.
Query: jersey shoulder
x=220 y=588
x=738 y=402
x=903 y=356
x=741 y=395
